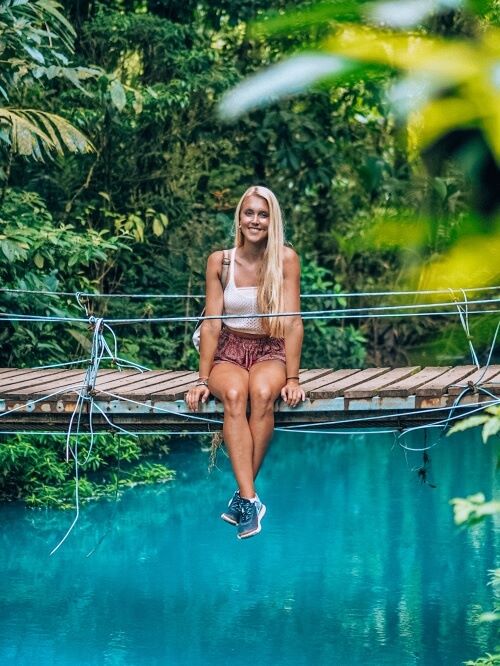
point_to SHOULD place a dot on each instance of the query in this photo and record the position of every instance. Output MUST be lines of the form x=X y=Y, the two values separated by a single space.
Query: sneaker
x=232 y=513
x=251 y=514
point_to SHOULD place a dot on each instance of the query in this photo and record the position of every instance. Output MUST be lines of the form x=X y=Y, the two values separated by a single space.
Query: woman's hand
x=292 y=394
x=194 y=395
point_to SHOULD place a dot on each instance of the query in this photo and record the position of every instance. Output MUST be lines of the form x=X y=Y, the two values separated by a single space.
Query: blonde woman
x=246 y=358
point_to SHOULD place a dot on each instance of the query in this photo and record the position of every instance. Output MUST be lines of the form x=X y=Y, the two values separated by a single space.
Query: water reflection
x=358 y=563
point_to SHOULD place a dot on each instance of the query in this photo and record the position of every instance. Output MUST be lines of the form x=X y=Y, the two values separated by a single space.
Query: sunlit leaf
x=32 y=130
x=467 y=423
x=291 y=76
x=440 y=116
x=158 y=228
x=387 y=233
x=118 y=96
x=473 y=509
x=454 y=61
x=34 y=53
x=472 y=262
x=490 y=428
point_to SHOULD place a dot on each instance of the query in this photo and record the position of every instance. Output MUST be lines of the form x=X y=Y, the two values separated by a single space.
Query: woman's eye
x=263 y=214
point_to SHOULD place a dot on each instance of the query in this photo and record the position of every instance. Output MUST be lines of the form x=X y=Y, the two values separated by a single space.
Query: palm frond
x=35 y=133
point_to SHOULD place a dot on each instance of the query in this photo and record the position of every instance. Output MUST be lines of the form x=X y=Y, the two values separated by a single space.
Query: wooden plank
x=492 y=387
x=178 y=389
x=484 y=375
x=178 y=383
x=439 y=385
x=170 y=388
x=334 y=376
x=140 y=382
x=50 y=385
x=37 y=379
x=372 y=388
x=408 y=386
x=309 y=375
x=5 y=373
x=161 y=384
x=337 y=388
x=32 y=375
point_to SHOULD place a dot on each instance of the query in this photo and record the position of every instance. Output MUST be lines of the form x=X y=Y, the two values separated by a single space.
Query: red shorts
x=246 y=350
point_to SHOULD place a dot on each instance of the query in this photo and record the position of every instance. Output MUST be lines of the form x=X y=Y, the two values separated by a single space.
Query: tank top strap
x=231 y=265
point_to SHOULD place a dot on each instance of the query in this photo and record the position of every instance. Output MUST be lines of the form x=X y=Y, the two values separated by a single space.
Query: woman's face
x=254 y=219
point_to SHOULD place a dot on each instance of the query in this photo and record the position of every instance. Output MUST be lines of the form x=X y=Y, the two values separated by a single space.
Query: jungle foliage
x=118 y=174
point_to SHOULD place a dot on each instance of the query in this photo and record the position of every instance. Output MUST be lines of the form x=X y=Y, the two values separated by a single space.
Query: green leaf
x=440 y=188
x=317 y=15
x=81 y=339
x=52 y=8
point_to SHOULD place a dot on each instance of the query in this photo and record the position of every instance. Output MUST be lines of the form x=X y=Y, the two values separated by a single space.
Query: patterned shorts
x=247 y=350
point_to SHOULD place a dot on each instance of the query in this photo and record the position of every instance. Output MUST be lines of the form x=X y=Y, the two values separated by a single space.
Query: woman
x=251 y=358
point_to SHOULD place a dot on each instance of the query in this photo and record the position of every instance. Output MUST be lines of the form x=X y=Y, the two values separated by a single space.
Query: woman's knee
x=235 y=400
x=262 y=398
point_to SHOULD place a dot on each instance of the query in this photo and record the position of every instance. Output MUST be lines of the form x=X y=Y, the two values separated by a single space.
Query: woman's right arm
x=210 y=329
x=214 y=303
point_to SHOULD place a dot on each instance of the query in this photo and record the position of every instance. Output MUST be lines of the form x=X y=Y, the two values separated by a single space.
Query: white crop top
x=241 y=301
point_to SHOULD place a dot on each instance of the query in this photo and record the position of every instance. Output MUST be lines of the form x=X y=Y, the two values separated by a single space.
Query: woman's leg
x=266 y=379
x=229 y=383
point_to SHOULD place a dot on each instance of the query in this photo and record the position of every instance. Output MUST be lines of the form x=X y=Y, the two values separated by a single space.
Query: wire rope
x=358 y=294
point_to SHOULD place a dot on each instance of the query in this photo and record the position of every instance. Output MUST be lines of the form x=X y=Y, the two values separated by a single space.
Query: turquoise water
x=357 y=563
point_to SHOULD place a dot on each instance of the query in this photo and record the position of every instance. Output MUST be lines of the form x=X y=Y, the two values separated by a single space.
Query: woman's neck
x=252 y=252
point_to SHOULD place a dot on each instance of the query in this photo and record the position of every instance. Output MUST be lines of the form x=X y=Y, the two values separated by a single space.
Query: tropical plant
x=36 y=43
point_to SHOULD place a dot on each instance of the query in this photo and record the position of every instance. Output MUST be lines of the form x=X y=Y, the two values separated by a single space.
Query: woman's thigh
x=266 y=379
x=228 y=380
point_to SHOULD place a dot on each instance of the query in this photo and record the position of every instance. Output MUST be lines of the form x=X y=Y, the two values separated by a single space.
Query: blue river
x=358 y=563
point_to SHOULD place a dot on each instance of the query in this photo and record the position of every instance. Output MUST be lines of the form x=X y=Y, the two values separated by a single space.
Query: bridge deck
x=152 y=401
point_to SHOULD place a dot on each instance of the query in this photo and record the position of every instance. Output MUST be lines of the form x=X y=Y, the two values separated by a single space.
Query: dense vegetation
x=118 y=175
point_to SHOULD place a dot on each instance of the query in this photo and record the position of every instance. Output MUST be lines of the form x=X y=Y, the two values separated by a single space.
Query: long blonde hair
x=270 y=297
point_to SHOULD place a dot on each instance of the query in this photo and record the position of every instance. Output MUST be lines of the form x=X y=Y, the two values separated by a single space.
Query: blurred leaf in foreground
x=473 y=509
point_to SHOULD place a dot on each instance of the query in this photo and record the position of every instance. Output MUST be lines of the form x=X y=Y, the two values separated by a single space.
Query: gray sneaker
x=232 y=513
x=251 y=514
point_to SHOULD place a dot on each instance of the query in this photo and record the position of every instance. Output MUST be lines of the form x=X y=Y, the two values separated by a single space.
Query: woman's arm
x=214 y=302
x=291 y=393
x=210 y=329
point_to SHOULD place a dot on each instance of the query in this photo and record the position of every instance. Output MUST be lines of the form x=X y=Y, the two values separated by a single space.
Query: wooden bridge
x=152 y=401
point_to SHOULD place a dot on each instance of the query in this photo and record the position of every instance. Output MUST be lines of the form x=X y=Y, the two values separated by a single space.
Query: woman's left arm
x=291 y=393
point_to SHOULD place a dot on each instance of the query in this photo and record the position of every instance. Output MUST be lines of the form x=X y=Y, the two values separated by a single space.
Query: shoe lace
x=246 y=509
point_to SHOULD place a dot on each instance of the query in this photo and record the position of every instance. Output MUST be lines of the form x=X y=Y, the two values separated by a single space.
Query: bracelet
x=292 y=378
x=202 y=383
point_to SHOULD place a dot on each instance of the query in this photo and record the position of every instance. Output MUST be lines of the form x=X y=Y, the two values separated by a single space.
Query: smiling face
x=254 y=219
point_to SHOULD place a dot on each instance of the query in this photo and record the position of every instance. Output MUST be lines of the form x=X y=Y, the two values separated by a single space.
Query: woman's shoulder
x=216 y=258
x=289 y=254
